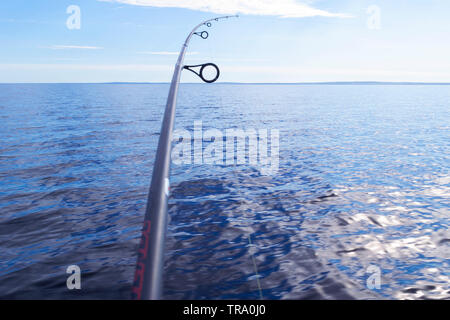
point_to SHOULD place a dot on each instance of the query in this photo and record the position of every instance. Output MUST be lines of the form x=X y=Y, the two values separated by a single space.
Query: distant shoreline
x=367 y=83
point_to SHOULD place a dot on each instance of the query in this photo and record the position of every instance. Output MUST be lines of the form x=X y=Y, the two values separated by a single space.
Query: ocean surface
x=363 y=189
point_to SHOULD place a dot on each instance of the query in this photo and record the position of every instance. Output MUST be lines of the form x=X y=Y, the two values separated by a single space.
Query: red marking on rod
x=139 y=278
x=144 y=240
x=142 y=255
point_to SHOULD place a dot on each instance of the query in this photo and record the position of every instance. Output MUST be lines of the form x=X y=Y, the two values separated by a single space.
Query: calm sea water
x=363 y=183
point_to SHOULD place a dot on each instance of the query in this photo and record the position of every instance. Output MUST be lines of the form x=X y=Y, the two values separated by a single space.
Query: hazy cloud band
x=279 y=8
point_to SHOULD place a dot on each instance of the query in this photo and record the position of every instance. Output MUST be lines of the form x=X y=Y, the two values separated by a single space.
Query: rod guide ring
x=202 y=69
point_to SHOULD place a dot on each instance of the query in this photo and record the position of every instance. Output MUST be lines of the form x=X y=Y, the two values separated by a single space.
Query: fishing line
x=247 y=226
x=255 y=268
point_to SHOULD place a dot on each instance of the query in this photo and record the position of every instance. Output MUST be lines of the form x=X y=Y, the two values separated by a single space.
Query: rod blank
x=148 y=277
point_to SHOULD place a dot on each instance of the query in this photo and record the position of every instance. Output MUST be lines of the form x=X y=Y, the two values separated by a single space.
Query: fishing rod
x=147 y=283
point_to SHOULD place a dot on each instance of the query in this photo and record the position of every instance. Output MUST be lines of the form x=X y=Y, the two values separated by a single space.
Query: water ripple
x=362 y=182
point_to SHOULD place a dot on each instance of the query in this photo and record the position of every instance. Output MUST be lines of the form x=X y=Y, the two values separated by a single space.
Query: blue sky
x=272 y=41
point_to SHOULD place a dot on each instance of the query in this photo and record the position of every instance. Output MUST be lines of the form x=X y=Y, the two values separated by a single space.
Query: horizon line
x=256 y=83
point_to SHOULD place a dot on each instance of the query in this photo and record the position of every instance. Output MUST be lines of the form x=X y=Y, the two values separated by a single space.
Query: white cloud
x=63 y=47
x=165 y=53
x=317 y=74
x=279 y=8
x=87 y=67
x=11 y=73
x=70 y=73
